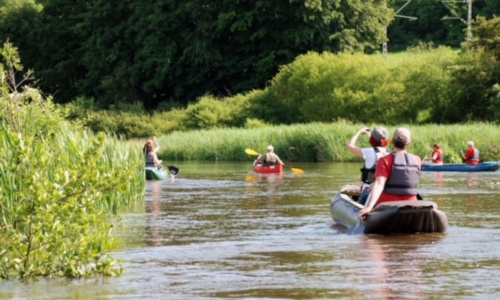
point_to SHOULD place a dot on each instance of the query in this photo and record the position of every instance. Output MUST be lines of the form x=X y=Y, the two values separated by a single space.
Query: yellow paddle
x=297 y=171
x=252 y=152
x=255 y=153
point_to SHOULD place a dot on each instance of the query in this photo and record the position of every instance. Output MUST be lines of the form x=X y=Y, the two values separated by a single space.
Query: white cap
x=402 y=135
x=269 y=148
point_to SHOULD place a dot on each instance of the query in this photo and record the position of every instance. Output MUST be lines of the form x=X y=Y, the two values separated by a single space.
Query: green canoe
x=153 y=173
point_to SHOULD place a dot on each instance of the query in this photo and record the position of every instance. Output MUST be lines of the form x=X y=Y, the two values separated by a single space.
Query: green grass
x=322 y=142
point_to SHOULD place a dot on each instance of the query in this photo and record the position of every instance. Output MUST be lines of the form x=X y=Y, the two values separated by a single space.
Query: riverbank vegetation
x=223 y=48
x=310 y=66
x=324 y=142
x=61 y=186
x=423 y=85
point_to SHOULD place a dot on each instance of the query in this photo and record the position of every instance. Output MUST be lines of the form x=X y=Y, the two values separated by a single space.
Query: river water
x=219 y=231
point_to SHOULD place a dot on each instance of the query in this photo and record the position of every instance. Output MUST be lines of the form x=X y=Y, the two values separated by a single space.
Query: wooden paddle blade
x=173 y=170
x=252 y=152
x=297 y=171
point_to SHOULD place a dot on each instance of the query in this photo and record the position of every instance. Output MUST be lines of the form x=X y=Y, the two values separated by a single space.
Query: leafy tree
x=129 y=51
x=429 y=27
x=55 y=213
x=476 y=75
x=234 y=46
x=486 y=8
x=57 y=54
x=486 y=35
x=19 y=20
x=167 y=50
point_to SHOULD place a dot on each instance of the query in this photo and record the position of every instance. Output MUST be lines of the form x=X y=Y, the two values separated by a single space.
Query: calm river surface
x=220 y=231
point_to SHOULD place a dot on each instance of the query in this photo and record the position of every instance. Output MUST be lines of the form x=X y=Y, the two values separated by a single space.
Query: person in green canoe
x=150 y=152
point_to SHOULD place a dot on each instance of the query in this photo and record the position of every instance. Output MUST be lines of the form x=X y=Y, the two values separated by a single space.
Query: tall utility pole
x=469 y=18
x=384 y=45
x=457 y=16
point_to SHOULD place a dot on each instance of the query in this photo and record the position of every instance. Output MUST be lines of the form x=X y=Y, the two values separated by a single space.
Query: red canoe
x=263 y=169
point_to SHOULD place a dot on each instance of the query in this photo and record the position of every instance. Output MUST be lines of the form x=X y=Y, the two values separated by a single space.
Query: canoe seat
x=351 y=190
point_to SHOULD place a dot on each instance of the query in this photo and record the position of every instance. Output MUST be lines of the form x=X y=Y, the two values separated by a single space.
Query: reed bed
x=323 y=142
x=60 y=187
x=57 y=195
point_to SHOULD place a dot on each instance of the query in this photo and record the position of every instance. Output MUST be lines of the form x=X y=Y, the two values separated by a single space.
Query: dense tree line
x=168 y=53
x=174 y=51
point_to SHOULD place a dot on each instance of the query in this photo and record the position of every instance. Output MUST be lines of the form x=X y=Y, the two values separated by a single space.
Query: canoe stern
x=390 y=217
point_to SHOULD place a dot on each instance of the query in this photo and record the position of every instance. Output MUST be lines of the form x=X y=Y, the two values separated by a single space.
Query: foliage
x=475 y=75
x=422 y=85
x=326 y=87
x=133 y=122
x=59 y=186
x=164 y=51
x=209 y=113
x=19 y=20
x=255 y=123
x=429 y=26
x=443 y=23
x=323 y=142
x=127 y=124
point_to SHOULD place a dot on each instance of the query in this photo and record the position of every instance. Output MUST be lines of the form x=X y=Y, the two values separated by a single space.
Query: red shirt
x=384 y=169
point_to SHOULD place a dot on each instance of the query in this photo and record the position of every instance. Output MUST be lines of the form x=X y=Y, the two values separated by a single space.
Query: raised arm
x=156 y=160
x=157 y=147
x=351 y=146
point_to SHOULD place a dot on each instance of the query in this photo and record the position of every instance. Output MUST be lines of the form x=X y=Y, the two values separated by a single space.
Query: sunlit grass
x=317 y=142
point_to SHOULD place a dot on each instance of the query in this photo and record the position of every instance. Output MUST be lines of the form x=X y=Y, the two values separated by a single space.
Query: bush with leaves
x=60 y=185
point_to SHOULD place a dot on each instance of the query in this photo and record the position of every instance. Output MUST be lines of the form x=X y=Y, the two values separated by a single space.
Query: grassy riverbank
x=317 y=142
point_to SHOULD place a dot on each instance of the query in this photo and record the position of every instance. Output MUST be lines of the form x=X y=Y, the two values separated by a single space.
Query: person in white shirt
x=379 y=142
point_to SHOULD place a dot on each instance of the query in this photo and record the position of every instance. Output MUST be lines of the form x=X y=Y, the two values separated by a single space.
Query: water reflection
x=439 y=184
x=267 y=185
x=154 y=214
x=473 y=184
x=396 y=265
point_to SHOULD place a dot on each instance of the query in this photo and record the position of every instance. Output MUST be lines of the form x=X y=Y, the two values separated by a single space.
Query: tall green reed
x=60 y=187
x=323 y=142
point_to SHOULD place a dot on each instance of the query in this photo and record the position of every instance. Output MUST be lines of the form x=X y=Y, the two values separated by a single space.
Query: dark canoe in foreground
x=488 y=166
x=268 y=169
x=153 y=173
x=387 y=218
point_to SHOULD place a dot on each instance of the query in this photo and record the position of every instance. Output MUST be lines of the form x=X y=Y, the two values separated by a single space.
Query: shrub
x=60 y=187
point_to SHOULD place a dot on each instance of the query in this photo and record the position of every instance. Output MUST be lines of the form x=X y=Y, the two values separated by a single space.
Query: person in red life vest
x=472 y=155
x=397 y=175
x=437 y=155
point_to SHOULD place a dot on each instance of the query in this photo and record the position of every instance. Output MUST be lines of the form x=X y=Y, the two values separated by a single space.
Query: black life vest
x=368 y=174
x=405 y=175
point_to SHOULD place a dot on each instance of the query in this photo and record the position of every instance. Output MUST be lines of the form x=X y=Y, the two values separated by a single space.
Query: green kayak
x=153 y=173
